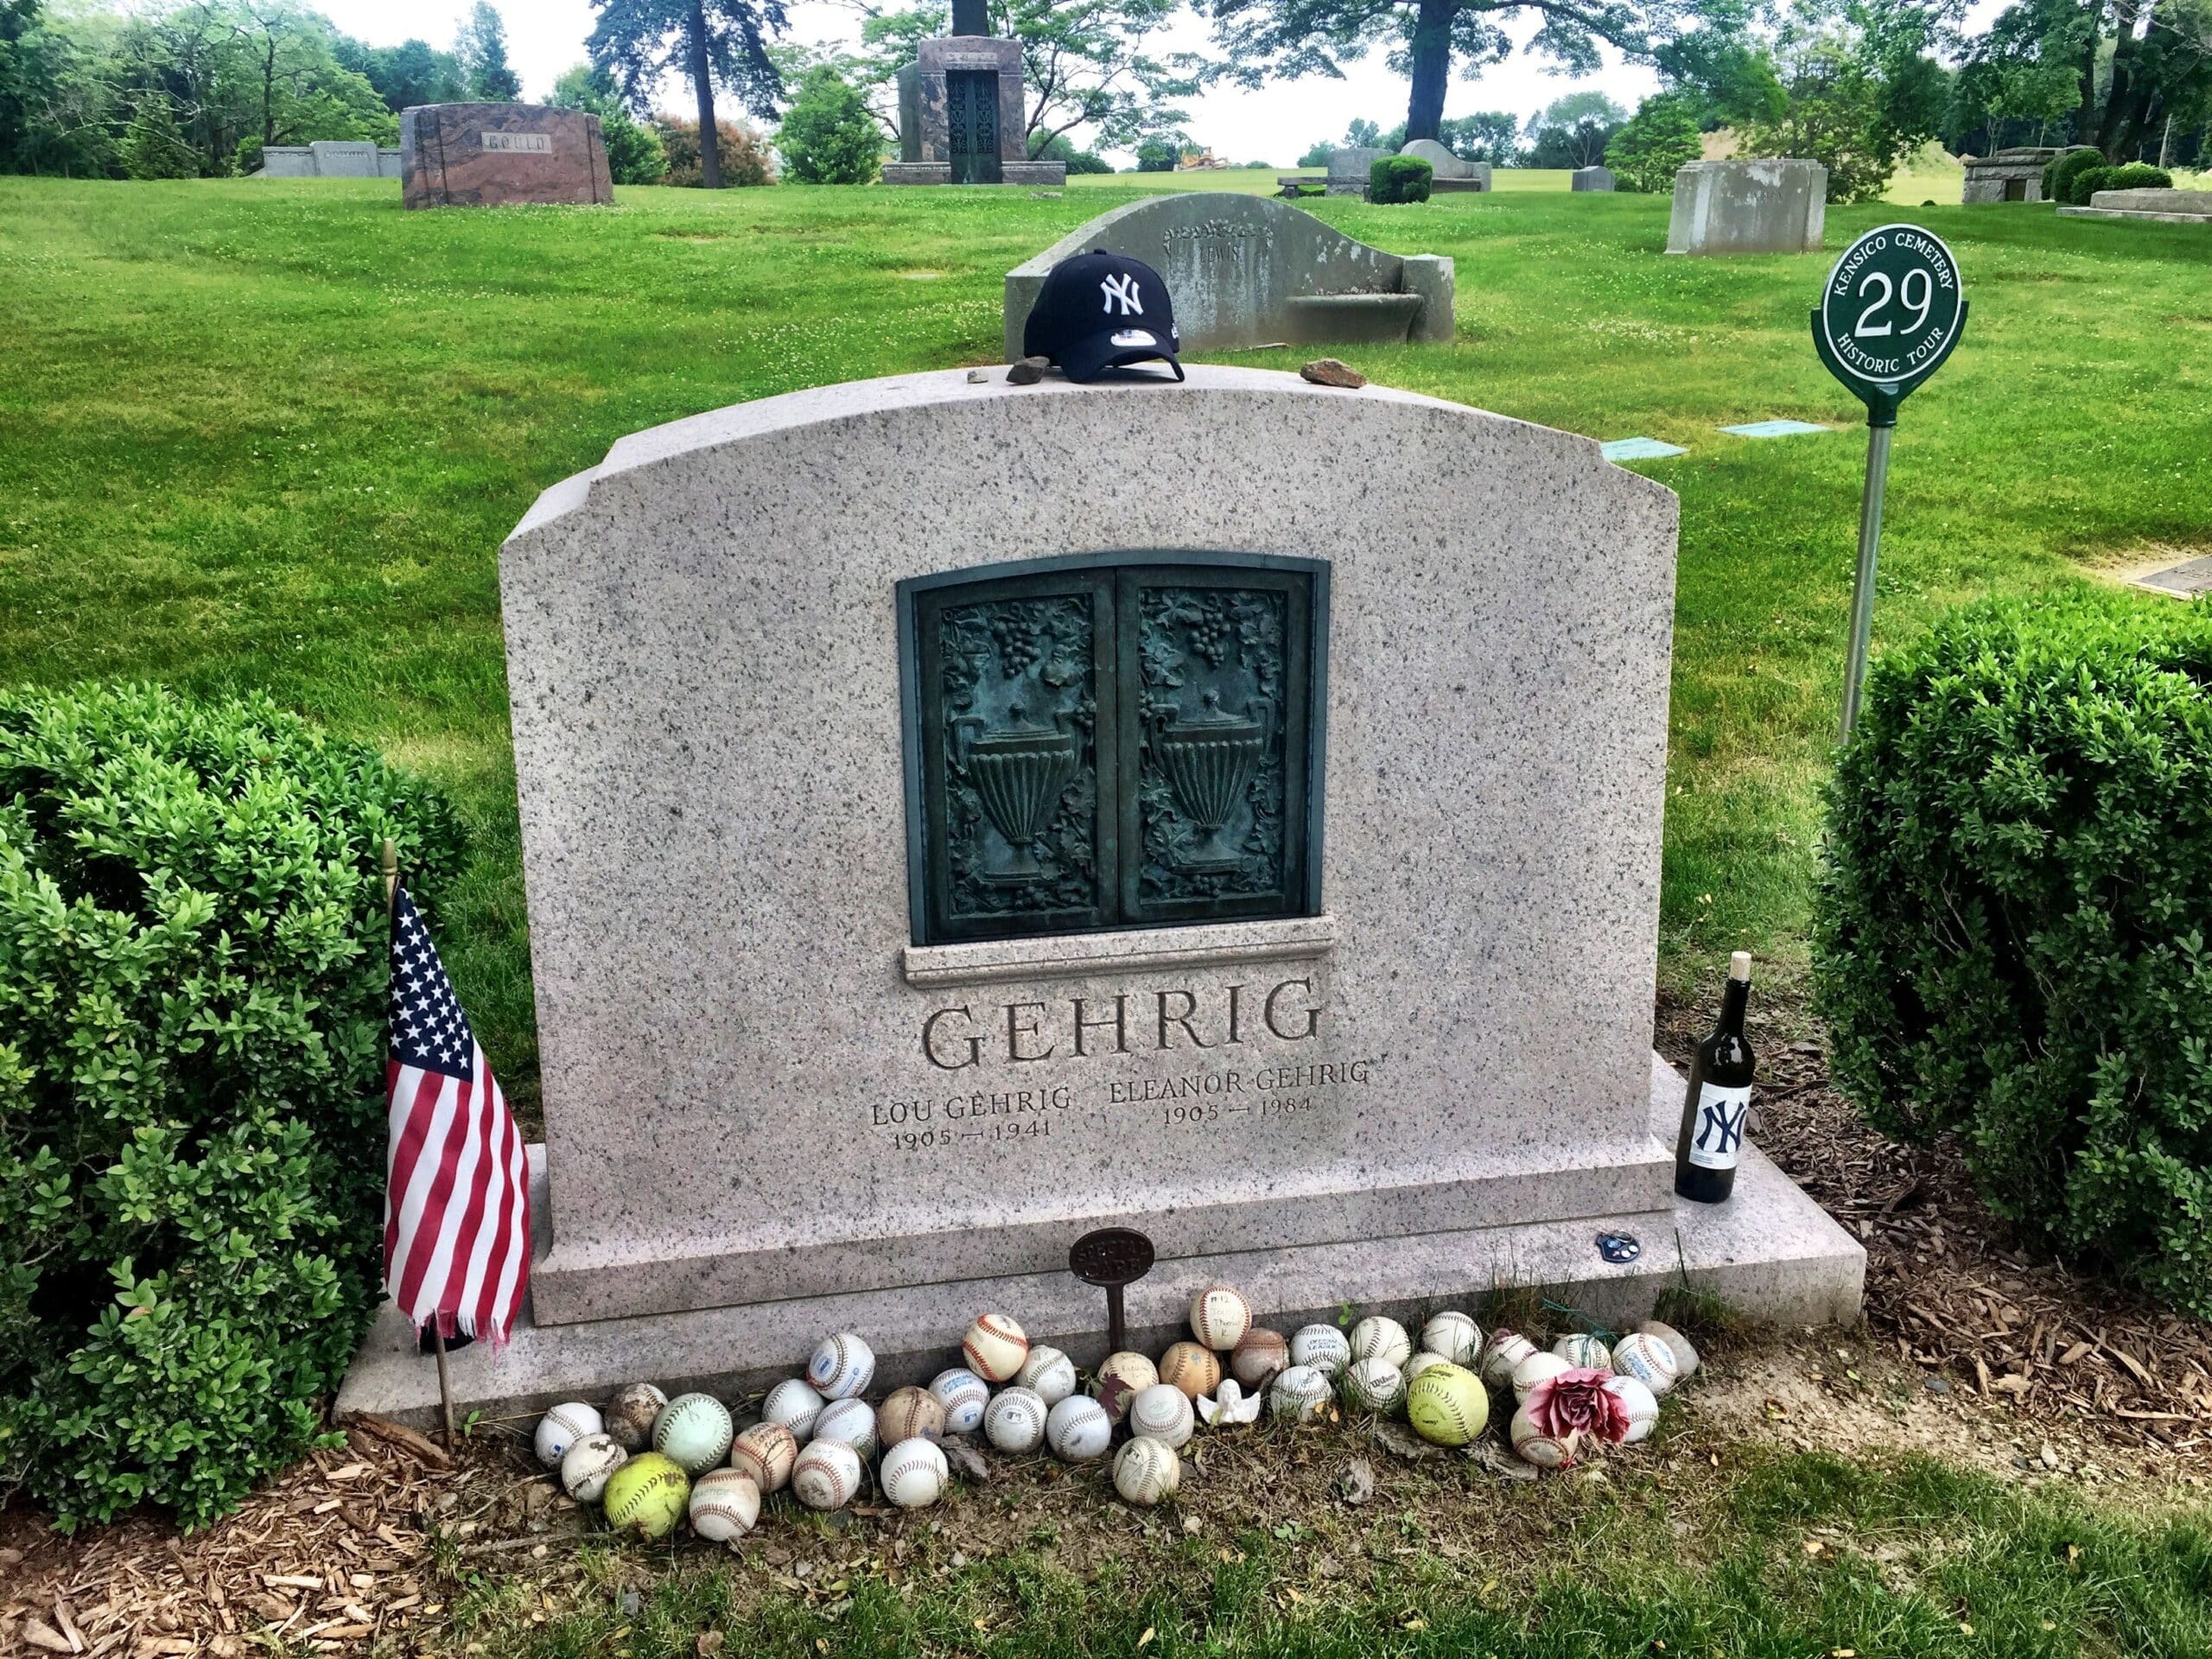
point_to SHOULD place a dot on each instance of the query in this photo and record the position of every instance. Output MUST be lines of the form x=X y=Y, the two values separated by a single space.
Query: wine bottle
x=1716 y=1108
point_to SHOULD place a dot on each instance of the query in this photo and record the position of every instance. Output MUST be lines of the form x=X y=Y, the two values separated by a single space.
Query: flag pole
x=390 y=863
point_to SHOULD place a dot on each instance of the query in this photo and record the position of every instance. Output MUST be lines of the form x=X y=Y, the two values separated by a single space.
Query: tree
x=1362 y=135
x=1572 y=131
x=1861 y=93
x=708 y=43
x=1158 y=155
x=1489 y=136
x=2134 y=68
x=481 y=48
x=412 y=72
x=1661 y=138
x=635 y=154
x=828 y=135
x=1086 y=64
x=153 y=148
x=1264 y=39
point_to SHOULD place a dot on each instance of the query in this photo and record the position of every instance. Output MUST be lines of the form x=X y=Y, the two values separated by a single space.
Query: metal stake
x=1870 y=544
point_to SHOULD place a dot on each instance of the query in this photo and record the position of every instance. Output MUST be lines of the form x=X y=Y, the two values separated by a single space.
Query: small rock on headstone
x=977 y=377
x=1028 y=372
x=1329 y=372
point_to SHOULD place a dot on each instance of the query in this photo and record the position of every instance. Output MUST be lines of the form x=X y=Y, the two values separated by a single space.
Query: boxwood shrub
x=191 y=1109
x=2058 y=178
x=2013 y=933
x=1398 y=178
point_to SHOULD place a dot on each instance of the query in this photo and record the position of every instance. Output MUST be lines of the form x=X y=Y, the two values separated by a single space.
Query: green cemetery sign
x=1891 y=312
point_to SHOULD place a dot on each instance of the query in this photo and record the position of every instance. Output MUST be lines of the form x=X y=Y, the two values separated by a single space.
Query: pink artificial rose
x=1578 y=1402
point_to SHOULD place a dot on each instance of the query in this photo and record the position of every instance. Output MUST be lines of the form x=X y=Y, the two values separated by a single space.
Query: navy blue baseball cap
x=1098 y=311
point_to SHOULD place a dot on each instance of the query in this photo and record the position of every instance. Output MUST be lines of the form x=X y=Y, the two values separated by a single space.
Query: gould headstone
x=496 y=155
x=949 y=831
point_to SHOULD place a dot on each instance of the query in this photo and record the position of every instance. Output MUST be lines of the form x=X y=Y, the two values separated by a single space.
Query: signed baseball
x=765 y=1452
x=1122 y=1377
x=963 y=1394
x=1014 y=1421
x=1454 y=1335
x=632 y=1412
x=827 y=1475
x=1220 y=1317
x=1163 y=1412
x=1078 y=1429
x=910 y=1413
x=1650 y=1361
x=842 y=1367
x=724 y=1505
x=589 y=1462
x=1191 y=1367
x=1048 y=1374
x=1146 y=1471
x=995 y=1348
x=1322 y=1348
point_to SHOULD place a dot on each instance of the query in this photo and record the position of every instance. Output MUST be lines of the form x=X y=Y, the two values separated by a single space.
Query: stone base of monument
x=2164 y=207
x=1050 y=174
x=1770 y=1252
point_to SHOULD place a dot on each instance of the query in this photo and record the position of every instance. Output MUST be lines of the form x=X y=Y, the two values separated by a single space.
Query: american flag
x=456 y=1204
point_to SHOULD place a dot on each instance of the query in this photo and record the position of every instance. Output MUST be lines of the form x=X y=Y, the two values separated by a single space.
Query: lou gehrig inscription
x=1221 y=1089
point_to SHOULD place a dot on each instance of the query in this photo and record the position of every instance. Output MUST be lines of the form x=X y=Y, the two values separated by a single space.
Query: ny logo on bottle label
x=1722 y=1114
x=1121 y=290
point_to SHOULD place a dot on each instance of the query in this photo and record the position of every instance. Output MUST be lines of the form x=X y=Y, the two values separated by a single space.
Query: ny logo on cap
x=1122 y=289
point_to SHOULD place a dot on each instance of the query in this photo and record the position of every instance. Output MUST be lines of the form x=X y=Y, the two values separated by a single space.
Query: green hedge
x=2058 y=177
x=2011 y=931
x=1398 y=179
x=192 y=1133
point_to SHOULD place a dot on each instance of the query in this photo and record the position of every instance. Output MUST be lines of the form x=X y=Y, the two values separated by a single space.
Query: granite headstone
x=1593 y=178
x=496 y=155
x=1751 y=206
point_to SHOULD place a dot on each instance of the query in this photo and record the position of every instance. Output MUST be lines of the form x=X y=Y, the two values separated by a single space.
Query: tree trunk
x=2123 y=98
x=2085 y=122
x=1432 y=61
x=703 y=80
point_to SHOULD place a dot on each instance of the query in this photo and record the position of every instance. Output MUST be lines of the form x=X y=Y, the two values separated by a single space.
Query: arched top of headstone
x=1237 y=267
x=1441 y=162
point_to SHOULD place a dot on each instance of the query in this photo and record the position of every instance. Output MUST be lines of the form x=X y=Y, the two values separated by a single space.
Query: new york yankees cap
x=1098 y=311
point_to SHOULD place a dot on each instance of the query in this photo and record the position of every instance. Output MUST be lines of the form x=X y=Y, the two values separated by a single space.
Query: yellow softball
x=1447 y=1404
x=650 y=1493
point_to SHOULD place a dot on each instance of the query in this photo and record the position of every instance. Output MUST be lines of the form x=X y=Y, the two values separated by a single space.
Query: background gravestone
x=2170 y=206
x=329 y=159
x=1756 y=206
x=1447 y=173
x=1248 y=271
x=1593 y=178
x=1349 y=170
x=494 y=155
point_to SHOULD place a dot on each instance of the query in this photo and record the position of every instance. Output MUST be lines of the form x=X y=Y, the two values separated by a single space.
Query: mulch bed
x=366 y=1542
x=1952 y=1287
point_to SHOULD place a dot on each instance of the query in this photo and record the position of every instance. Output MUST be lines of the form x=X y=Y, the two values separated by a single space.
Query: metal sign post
x=1891 y=312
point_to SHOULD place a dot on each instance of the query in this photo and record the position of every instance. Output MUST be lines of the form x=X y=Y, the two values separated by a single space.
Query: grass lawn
x=271 y=434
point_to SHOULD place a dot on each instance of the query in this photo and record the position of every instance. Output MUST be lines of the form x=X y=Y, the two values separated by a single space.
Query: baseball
x=632 y=1412
x=1684 y=1350
x=1650 y=1361
x=1641 y=1404
x=1321 y=1348
x=1537 y=1447
x=1014 y=1421
x=1048 y=1374
x=1505 y=1349
x=1452 y=1335
x=1584 y=1352
x=963 y=1394
x=1078 y=1429
x=910 y=1413
x=1446 y=1405
x=852 y=1421
x=915 y=1474
x=765 y=1452
x=842 y=1367
x=648 y=1494
x=1122 y=1377
x=1220 y=1317
x=585 y=1469
x=724 y=1505
x=1259 y=1357
x=1421 y=1361
x=1191 y=1367
x=561 y=1428
x=1298 y=1393
x=794 y=1404
x=827 y=1475
x=1536 y=1369
x=995 y=1348
x=1145 y=1471
x=1163 y=1412
x=1373 y=1385
x=1377 y=1338
x=693 y=1431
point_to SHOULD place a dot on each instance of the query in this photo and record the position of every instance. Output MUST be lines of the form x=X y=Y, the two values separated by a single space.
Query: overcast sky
x=1273 y=126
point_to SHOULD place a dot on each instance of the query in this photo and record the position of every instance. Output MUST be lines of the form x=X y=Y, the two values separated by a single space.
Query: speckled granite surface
x=705 y=688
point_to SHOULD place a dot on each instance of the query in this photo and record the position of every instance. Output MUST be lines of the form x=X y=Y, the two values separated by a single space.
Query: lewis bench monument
x=948 y=831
